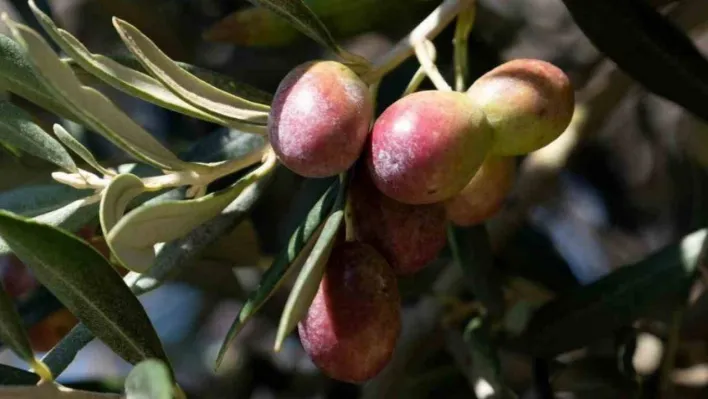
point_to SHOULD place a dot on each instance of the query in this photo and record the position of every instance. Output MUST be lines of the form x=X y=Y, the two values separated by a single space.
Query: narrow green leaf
x=596 y=310
x=116 y=197
x=82 y=279
x=216 y=79
x=648 y=47
x=299 y=15
x=71 y=218
x=171 y=260
x=95 y=109
x=187 y=86
x=71 y=143
x=18 y=130
x=31 y=201
x=14 y=376
x=149 y=379
x=121 y=77
x=289 y=259
x=17 y=76
x=484 y=354
x=12 y=331
x=133 y=238
x=308 y=280
x=472 y=251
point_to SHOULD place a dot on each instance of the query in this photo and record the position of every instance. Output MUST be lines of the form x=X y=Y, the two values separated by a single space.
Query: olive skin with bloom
x=408 y=236
x=528 y=103
x=426 y=147
x=320 y=118
x=484 y=195
x=352 y=325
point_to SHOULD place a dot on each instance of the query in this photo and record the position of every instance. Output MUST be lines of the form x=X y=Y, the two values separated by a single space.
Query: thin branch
x=426 y=62
x=426 y=30
x=420 y=74
x=465 y=22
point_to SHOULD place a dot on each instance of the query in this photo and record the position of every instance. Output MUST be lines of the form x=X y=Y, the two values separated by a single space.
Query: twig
x=428 y=65
x=420 y=74
x=465 y=22
x=426 y=30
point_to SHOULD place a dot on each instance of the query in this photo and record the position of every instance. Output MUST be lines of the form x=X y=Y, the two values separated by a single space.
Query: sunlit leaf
x=116 y=197
x=308 y=281
x=172 y=259
x=18 y=130
x=184 y=84
x=149 y=379
x=133 y=238
x=289 y=259
x=121 y=77
x=95 y=109
x=71 y=143
x=17 y=76
x=216 y=79
x=83 y=280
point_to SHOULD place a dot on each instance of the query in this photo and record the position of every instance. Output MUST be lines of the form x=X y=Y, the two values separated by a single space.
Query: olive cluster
x=429 y=158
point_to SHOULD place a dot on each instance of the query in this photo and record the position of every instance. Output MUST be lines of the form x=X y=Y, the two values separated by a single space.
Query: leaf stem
x=465 y=23
x=428 y=65
x=42 y=370
x=420 y=74
x=430 y=27
x=198 y=179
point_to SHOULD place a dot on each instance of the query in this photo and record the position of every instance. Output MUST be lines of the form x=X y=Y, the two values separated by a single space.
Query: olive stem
x=465 y=23
x=429 y=28
x=198 y=180
x=420 y=74
x=428 y=65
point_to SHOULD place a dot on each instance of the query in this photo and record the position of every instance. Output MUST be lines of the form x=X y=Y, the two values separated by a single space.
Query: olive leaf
x=12 y=331
x=149 y=379
x=308 y=280
x=647 y=47
x=299 y=246
x=36 y=200
x=472 y=251
x=171 y=259
x=17 y=76
x=258 y=26
x=14 y=376
x=300 y=16
x=596 y=310
x=216 y=79
x=134 y=236
x=116 y=197
x=74 y=145
x=484 y=355
x=94 y=109
x=18 y=130
x=70 y=217
x=185 y=85
x=121 y=77
x=83 y=280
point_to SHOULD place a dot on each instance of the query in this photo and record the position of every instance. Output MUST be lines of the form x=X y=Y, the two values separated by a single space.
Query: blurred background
x=628 y=177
